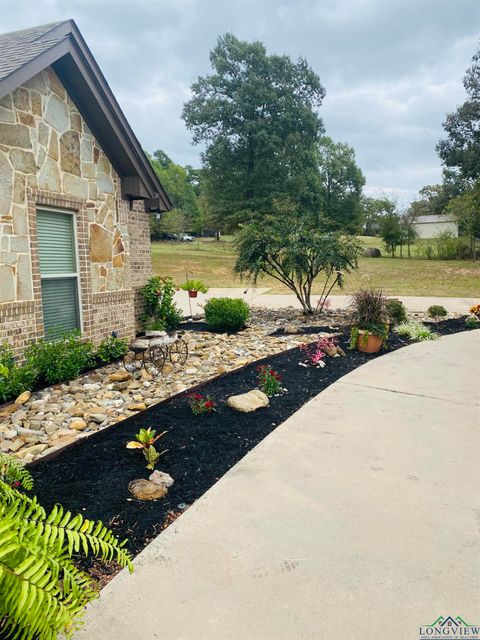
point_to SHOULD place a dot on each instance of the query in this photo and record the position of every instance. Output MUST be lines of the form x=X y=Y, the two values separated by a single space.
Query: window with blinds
x=58 y=270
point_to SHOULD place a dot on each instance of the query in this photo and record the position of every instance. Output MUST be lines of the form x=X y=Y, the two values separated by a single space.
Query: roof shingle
x=20 y=47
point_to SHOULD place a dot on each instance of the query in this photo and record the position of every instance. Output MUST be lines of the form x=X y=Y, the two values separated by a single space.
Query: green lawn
x=213 y=261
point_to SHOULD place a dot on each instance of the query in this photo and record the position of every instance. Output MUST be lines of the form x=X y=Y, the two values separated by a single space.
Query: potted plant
x=369 y=317
x=193 y=287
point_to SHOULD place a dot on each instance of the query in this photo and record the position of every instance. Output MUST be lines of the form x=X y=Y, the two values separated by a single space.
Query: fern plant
x=42 y=591
x=13 y=473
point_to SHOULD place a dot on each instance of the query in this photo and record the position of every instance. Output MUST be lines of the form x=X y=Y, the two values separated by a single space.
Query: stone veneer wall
x=49 y=157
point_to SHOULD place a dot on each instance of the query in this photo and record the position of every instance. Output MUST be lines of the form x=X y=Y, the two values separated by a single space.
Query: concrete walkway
x=357 y=518
x=261 y=298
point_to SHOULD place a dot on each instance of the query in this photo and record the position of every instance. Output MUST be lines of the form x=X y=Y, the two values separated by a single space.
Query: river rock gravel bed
x=54 y=417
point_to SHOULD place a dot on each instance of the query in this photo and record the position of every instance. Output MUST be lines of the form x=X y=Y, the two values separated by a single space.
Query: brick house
x=76 y=193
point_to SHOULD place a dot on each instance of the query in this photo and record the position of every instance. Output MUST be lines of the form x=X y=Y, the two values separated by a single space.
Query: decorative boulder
x=248 y=402
x=330 y=351
x=147 y=490
x=160 y=477
x=372 y=252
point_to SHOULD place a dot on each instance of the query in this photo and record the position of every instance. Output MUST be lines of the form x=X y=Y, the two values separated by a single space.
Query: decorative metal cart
x=152 y=351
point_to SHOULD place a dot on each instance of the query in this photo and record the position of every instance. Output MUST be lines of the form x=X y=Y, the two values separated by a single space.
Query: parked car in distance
x=184 y=237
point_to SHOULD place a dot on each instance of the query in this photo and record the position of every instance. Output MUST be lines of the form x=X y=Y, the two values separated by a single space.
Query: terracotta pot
x=372 y=345
x=192 y=294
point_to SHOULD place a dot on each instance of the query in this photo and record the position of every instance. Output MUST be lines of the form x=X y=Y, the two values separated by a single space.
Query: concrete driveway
x=357 y=518
x=261 y=298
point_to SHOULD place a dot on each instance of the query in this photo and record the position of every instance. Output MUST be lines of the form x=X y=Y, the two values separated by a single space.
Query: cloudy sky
x=392 y=68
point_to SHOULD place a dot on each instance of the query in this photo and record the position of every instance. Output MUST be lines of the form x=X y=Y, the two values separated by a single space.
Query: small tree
x=466 y=209
x=407 y=228
x=391 y=232
x=295 y=254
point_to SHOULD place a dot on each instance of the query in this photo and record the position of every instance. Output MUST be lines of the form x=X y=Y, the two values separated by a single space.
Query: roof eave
x=73 y=48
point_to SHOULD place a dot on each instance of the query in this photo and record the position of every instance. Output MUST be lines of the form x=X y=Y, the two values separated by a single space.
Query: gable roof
x=25 y=53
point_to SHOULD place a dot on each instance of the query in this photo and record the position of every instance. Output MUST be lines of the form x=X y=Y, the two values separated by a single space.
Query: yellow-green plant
x=145 y=440
x=42 y=591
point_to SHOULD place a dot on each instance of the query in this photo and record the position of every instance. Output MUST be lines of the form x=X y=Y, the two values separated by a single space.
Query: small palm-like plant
x=42 y=592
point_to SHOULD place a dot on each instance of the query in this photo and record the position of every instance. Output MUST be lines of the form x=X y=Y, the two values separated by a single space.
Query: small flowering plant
x=314 y=354
x=200 y=404
x=475 y=310
x=269 y=380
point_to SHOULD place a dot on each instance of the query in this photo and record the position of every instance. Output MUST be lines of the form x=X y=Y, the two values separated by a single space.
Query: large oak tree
x=257 y=116
x=460 y=151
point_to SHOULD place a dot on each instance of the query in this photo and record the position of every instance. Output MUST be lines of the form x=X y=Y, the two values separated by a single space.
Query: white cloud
x=392 y=68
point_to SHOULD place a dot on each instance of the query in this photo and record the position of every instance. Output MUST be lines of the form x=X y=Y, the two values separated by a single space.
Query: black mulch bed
x=92 y=475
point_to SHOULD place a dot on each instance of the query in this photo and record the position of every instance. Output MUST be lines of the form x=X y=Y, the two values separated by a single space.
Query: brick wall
x=140 y=254
x=49 y=157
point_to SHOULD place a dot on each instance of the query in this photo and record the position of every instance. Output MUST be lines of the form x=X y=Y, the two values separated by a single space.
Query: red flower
x=209 y=404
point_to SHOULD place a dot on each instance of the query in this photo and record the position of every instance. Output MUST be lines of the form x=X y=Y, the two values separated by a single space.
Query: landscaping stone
x=120 y=376
x=78 y=424
x=138 y=406
x=291 y=329
x=159 y=477
x=35 y=450
x=147 y=489
x=23 y=397
x=248 y=402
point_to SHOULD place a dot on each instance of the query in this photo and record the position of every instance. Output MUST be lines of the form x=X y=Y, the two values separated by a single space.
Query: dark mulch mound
x=92 y=476
x=446 y=327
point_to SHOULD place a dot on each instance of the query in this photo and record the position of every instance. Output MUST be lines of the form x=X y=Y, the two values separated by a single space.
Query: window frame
x=57 y=276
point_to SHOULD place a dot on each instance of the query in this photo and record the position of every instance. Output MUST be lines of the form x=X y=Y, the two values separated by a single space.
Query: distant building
x=430 y=226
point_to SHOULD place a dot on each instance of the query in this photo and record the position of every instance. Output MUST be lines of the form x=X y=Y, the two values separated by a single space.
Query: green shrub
x=161 y=313
x=112 y=348
x=436 y=311
x=416 y=331
x=62 y=359
x=445 y=246
x=472 y=322
x=226 y=314
x=13 y=378
x=42 y=590
x=396 y=311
